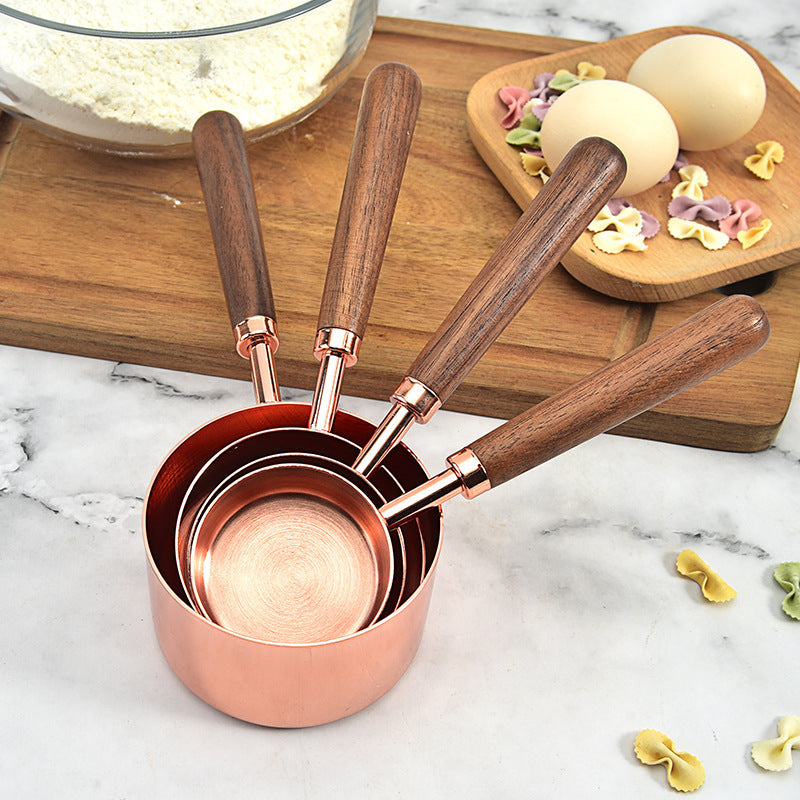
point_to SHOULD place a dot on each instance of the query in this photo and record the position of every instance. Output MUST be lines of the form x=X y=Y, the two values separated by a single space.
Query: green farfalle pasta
x=526 y=134
x=684 y=771
x=788 y=576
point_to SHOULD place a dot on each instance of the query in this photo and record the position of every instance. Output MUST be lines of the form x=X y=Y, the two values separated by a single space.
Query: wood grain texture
x=712 y=340
x=585 y=181
x=112 y=258
x=224 y=170
x=670 y=268
x=381 y=144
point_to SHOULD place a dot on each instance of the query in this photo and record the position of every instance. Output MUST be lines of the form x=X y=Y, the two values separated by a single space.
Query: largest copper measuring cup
x=299 y=685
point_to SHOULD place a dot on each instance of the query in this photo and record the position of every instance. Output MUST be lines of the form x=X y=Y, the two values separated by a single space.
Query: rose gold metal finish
x=393 y=427
x=288 y=553
x=468 y=467
x=436 y=490
x=346 y=343
x=417 y=398
x=267 y=683
x=466 y=476
x=326 y=393
x=257 y=340
x=325 y=449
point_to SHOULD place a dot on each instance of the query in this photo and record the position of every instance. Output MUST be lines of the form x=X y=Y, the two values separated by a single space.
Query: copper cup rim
x=434 y=516
x=407 y=554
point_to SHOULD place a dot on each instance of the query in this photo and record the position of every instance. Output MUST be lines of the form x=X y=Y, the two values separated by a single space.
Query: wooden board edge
x=537 y=43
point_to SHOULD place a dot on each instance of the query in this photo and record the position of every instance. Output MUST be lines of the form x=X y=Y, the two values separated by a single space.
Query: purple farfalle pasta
x=650 y=225
x=616 y=204
x=712 y=209
x=539 y=110
x=515 y=98
x=541 y=88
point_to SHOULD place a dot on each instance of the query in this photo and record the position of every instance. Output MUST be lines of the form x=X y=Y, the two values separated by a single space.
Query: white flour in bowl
x=150 y=92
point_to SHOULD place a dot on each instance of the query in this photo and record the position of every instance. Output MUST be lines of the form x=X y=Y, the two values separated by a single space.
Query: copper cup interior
x=180 y=467
x=291 y=553
x=403 y=568
x=249 y=452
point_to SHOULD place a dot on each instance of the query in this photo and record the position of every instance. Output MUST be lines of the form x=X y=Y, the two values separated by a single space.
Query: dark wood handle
x=227 y=184
x=710 y=341
x=384 y=129
x=584 y=181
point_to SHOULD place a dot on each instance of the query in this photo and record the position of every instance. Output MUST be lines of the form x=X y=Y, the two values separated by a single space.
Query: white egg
x=712 y=87
x=622 y=113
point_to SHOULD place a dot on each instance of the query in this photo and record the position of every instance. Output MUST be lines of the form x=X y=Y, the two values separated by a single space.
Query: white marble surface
x=558 y=628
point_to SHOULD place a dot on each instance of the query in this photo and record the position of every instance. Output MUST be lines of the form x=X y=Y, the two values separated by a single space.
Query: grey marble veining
x=559 y=627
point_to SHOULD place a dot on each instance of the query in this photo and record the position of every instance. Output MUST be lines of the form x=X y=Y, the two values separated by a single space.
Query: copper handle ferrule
x=419 y=399
x=471 y=472
x=465 y=476
x=413 y=402
x=346 y=343
x=253 y=329
x=257 y=340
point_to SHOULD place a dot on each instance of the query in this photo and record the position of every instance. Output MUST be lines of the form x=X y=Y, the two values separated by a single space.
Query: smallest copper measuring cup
x=252 y=517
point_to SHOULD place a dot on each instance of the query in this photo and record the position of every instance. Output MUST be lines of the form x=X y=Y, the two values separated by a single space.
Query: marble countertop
x=559 y=627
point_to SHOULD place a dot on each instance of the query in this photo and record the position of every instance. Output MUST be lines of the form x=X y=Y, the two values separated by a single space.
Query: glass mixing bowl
x=132 y=77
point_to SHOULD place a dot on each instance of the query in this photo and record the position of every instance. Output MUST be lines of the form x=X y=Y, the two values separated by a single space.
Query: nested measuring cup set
x=292 y=547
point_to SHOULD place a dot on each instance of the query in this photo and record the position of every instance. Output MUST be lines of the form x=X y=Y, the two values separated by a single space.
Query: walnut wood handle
x=710 y=341
x=224 y=170
x=584 y=181
x=384 y=128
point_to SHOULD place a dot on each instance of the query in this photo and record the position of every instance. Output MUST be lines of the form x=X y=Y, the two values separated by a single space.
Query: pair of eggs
x=696 y=92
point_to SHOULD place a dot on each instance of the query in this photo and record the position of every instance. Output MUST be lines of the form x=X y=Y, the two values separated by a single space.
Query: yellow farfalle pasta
x=590 y=72
x=684 y=771
x=535 y=165
x=762 y=162
x=776 y=754
x=614 y=242
x=628 y=221
x=714 y=588
x=710 y=238
x=752 y=235
x=693 y=180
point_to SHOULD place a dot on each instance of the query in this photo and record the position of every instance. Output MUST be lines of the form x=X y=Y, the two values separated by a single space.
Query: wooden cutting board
x=112 y=258
x=670 y=268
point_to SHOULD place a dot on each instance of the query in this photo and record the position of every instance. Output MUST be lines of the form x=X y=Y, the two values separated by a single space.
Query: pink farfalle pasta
x=775 y=755
x=712 y=209
x=743 y=214
x=515 y=99
x=684 y=771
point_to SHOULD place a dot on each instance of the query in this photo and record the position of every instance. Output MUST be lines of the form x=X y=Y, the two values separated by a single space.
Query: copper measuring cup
x=284 y=685
x=574 y=194
x=250 y=452
x=693 y=351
